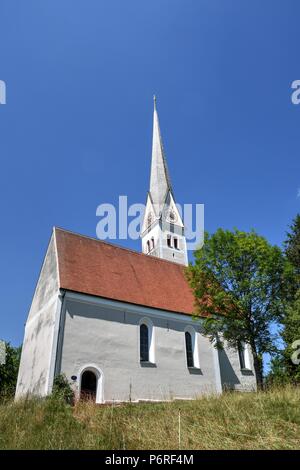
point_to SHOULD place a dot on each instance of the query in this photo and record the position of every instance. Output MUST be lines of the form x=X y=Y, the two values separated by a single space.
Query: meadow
x=265 y=420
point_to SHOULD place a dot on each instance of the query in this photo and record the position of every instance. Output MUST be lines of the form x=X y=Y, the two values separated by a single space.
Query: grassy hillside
x=267 y=420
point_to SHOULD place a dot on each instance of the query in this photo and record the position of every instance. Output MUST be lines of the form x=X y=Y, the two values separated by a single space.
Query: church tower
x=162 y=230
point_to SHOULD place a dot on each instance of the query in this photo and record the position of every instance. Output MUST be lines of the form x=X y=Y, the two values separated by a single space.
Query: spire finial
x=154 y=99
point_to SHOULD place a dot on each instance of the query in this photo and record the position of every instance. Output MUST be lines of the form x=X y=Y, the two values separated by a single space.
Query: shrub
x=62 y=389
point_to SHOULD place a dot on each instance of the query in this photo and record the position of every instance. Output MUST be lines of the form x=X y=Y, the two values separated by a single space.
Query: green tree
x=9 y=370
x=292 y=245
x=291 y=320
x=237 y=279
x=277 y=374
x=291 y=336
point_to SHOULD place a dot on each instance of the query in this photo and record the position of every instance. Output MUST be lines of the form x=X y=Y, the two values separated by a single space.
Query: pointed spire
x=160 y=182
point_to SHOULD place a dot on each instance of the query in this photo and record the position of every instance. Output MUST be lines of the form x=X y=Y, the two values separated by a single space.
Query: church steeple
x=160 y=182
x=163 y=230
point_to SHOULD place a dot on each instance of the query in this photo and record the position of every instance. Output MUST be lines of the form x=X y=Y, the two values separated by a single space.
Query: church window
x=152 y=243
x=241 y=352
x=147 y=351
x=169 y=241
x=189 y=349
x=144 y=343
x=148 y=246
x=244 y=356
x=176 y=246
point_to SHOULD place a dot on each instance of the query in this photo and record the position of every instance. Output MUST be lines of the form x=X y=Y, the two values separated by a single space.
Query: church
x=119 y=324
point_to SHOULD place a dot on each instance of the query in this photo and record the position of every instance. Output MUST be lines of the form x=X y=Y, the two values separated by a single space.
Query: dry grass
x=265 y=420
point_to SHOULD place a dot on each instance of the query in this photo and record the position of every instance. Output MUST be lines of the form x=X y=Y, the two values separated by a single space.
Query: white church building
x=119 y=324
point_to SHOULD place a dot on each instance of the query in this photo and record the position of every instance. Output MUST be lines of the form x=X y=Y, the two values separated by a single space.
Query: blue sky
x=76 y=129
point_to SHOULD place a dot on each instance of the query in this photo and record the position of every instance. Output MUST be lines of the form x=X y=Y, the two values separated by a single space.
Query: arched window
x=148 y=246
x=152 y=242
x=244 y=356
x=241 y=352
x=147 y=341
x=189 y=349
x=144 y=343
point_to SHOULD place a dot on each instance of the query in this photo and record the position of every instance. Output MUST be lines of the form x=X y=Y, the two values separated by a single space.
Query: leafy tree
x=277 y=374
x=291 y=319
x=238 y=281
x=292 y=245
x=9 y=370
x=291 y=337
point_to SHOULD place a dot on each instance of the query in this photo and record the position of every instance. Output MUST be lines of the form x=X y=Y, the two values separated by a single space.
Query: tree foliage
x=9 y=371
x=238 y=279
x=292 y=245
x=291 y=337
x=291 y=320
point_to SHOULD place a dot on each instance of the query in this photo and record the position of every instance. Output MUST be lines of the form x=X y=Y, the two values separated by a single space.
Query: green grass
x=265 y=420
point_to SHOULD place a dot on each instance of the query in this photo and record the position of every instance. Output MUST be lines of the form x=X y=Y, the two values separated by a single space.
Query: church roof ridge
x=116 y=245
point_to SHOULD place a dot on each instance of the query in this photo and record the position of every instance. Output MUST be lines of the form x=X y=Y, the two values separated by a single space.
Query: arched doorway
x=88 y=388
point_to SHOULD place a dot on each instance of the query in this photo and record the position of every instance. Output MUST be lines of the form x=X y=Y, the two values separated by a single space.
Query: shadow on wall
x=229 y=378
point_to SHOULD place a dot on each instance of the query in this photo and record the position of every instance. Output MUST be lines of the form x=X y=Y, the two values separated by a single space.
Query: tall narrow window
x=176 y=246
x=152 y=243
x=169 y=241
x=241 y=350
x=144 y=343
x=189 y=349
x=148 y=246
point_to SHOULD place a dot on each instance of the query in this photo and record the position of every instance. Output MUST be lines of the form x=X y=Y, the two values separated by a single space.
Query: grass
x=265 y=420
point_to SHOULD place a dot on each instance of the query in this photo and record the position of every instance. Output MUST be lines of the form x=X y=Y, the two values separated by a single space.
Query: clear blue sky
x=76 y=129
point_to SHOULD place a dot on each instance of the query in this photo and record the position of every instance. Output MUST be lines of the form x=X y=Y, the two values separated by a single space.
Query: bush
x=62 y=389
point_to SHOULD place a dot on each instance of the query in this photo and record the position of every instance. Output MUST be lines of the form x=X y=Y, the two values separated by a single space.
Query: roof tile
x=98 y=268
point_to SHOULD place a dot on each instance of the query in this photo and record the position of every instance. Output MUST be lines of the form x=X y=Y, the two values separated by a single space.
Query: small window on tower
x=169 y=241
x=152 y=243
x=148 y=246
x=176 y=245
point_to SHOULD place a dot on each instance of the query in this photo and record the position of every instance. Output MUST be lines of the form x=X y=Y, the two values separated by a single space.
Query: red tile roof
x=98 y=268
